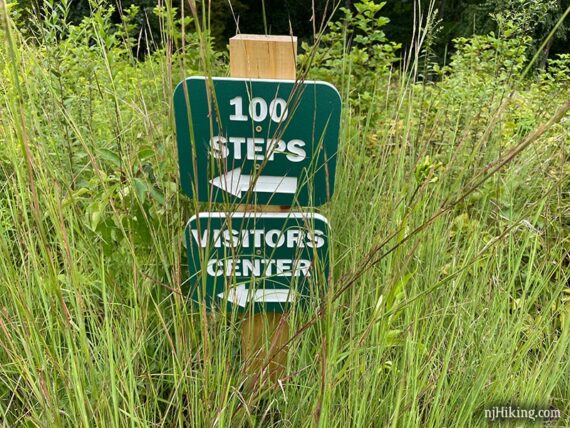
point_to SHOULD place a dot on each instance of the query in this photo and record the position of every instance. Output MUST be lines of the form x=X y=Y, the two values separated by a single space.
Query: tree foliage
x=453 y=18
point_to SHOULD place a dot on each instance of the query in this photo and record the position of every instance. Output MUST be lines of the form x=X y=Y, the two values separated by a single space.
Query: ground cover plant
x=450 y=292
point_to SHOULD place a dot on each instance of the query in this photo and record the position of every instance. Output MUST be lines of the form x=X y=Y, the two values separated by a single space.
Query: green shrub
x=353 y=53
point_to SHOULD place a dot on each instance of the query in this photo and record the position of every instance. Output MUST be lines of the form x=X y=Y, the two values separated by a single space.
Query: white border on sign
x=253 y=214
x=246 y=79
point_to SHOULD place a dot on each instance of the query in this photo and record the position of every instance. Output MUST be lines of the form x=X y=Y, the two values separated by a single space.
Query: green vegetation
x=450 y=229
x=454 y=18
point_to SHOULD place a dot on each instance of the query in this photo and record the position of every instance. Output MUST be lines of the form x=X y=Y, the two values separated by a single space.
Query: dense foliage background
x=452 y=18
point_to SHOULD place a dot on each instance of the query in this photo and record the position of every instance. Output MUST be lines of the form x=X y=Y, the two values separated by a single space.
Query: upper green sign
x=257 y=141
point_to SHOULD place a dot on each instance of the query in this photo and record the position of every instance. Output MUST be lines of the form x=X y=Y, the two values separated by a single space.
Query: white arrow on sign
x=241 y=295
x=235 y=182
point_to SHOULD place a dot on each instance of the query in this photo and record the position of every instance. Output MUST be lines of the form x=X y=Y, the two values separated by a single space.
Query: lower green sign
x=259 y=261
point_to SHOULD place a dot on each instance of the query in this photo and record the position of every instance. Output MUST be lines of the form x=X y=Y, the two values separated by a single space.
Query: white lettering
x=293 y=239
x=303 y=266
x=231 y=238
x=281 y=105
x=254 y=146
x=268 y=266
x=210 y=268
x=283 y=267
x=270 y=238
x=237 y=142
x=257 y=237
x=257 y=148
x=218 y=145
x=251 y=267
x=258 y=109
x=297 y=154
x=244 y=239
x=315 y=239
x=217 y=238
x=201 y=241
x=273 y=147
x=237 y=102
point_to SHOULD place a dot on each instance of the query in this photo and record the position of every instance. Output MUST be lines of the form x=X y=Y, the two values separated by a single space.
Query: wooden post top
x=263 y=57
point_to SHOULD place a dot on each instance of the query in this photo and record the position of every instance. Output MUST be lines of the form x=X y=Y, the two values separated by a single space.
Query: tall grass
x=448 y=289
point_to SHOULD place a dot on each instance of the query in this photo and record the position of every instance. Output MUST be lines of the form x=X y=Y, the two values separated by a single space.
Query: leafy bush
x=354 y=52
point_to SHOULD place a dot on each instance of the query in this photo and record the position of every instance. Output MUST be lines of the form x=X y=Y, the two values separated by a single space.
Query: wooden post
x=263 y=57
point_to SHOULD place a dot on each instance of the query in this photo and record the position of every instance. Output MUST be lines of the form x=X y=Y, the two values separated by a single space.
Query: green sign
x=262 y=261
x=257 y=141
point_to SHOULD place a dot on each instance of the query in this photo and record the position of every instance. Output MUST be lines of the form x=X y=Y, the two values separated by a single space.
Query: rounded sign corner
x=180 y=85
x=318 y=216
x=330 y=86
x=190 y=221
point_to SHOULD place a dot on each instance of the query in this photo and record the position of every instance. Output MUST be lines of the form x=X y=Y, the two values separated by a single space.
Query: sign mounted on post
x=257 y=141
x=265 y=261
